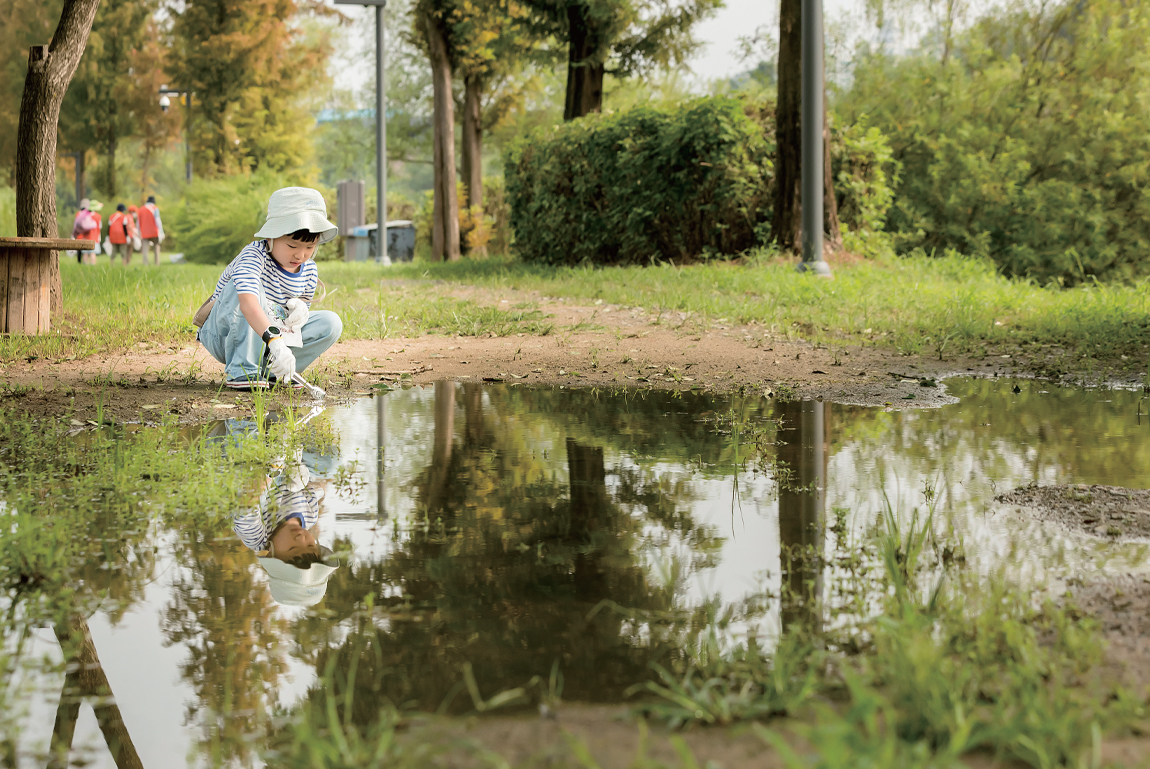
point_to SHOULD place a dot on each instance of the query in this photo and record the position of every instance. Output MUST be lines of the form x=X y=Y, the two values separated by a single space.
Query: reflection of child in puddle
x=283 y=530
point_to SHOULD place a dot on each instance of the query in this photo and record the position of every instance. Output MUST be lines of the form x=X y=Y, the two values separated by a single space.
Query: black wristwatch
x=272 y=333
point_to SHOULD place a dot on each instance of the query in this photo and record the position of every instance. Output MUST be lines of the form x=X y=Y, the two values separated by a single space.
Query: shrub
x=218 y=217
x=8 y=212
x=648 y=184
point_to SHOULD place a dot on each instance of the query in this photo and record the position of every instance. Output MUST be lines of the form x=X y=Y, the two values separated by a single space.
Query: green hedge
x=649 y=184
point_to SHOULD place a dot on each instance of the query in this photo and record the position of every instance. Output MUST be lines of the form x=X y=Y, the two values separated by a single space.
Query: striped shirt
x=256 y=272
x=255 y=527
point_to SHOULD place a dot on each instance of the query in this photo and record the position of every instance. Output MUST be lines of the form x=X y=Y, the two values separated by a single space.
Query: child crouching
x=258 y=321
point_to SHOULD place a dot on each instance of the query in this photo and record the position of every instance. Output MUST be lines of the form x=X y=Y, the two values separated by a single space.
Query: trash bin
x=357 y=244
x=360 y=244
x=401 y=240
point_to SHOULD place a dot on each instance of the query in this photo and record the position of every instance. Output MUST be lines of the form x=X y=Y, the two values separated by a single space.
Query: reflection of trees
x=803 y=446
x=226 y=622
x=85 y=679
x=504 y=574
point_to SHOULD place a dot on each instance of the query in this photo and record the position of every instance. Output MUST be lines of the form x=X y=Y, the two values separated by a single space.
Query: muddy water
x=563 y=541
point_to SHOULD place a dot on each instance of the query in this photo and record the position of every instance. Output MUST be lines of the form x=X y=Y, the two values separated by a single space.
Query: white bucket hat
x=293 y=586
x=297 y=208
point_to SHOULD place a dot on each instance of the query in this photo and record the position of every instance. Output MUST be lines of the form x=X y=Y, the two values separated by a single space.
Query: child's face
x=293 y=540
x=290 y=253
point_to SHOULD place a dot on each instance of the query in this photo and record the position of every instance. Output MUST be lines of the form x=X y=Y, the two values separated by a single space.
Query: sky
x=718 y=56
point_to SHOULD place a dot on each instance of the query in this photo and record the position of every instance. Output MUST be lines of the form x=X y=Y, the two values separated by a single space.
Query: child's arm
x=254 y=313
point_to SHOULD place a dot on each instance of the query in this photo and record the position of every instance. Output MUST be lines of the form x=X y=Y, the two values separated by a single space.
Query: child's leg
x=321 y=331
x=228 y=337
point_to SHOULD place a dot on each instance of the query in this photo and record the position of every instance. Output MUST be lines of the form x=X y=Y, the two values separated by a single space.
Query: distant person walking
x=121 y=228
x=151 y=228
x=86 y=226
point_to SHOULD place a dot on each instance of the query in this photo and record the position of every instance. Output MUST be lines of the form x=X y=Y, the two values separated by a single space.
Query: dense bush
x=218 y=217
x=690 y=182
x=1023 y=140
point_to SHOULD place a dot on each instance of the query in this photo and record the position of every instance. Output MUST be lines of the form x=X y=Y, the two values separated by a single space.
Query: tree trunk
x=584 y=78
x=445 y=209
x=787 y=224
x=50 y=70
x=472 y=145
x=472 y=141
x=833 y=240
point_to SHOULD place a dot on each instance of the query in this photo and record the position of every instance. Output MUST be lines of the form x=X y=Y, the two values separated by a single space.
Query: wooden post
x=26 y=281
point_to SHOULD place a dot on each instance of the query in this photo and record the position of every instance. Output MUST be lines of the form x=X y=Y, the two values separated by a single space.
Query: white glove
x=297 y=314
x=281 y=361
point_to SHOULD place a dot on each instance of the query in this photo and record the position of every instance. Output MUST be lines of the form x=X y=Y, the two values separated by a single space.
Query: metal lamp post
x=812 y=151
x=380 y=122
x=165 y=102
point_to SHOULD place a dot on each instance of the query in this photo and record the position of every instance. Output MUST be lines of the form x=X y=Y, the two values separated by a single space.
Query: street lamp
x=380 y=124
x=166 y=102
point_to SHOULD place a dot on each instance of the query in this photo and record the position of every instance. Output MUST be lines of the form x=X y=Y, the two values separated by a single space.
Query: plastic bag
x=137 y=244
x=107 y=245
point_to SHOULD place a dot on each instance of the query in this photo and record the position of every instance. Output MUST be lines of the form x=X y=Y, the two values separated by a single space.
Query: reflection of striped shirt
x=254 y=269
x=255 y=527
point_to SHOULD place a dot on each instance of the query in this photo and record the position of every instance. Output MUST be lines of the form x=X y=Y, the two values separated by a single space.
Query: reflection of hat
x=297 y=208
x=294 y=586
x=95 y=205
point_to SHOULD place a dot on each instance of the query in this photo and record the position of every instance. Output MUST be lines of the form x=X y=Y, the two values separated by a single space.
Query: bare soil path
x=589 y=346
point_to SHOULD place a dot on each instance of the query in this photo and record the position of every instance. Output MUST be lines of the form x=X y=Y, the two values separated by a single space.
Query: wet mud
x=1103 y=511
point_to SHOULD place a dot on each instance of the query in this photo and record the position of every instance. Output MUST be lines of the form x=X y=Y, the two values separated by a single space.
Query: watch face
x=273 y=331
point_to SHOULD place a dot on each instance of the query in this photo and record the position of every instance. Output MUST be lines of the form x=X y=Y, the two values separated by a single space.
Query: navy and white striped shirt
x=255 y=269
x=255 y=527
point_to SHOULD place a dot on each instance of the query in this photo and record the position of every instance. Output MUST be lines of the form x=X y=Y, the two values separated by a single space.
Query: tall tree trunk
x=834 y=233
x=445 y=209
x=787 y=225
x=473 y=140
x=584 y=78
x=472 y=146
x=108 y=174
x=50 y=70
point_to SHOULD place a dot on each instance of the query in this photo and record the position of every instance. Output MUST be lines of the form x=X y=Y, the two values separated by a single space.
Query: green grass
x=941 y=307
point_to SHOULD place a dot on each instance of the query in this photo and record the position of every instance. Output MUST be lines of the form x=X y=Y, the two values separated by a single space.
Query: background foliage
x=1023 y=139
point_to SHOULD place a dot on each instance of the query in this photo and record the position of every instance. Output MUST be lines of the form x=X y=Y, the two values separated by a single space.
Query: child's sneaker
x=246 y=385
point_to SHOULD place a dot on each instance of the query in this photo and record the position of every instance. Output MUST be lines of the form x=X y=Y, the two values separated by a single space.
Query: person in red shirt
x=86 y=226
x=151 y=228
x=121 y=229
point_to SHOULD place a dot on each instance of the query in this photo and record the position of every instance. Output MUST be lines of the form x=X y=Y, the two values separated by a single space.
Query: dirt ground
x=590 y=346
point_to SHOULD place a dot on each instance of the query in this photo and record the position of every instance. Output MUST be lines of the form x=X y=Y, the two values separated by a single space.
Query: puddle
x=559 y=540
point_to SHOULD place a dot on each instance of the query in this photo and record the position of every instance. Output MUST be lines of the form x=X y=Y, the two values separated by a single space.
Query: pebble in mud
x=1112 y=512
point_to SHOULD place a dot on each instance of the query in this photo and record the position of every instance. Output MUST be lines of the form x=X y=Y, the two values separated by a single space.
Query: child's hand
x=281 y=361
x=297 y=314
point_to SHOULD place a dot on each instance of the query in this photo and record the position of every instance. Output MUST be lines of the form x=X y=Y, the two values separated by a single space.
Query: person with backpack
x=121 y=228
x=86 y=226
x=151 y=228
